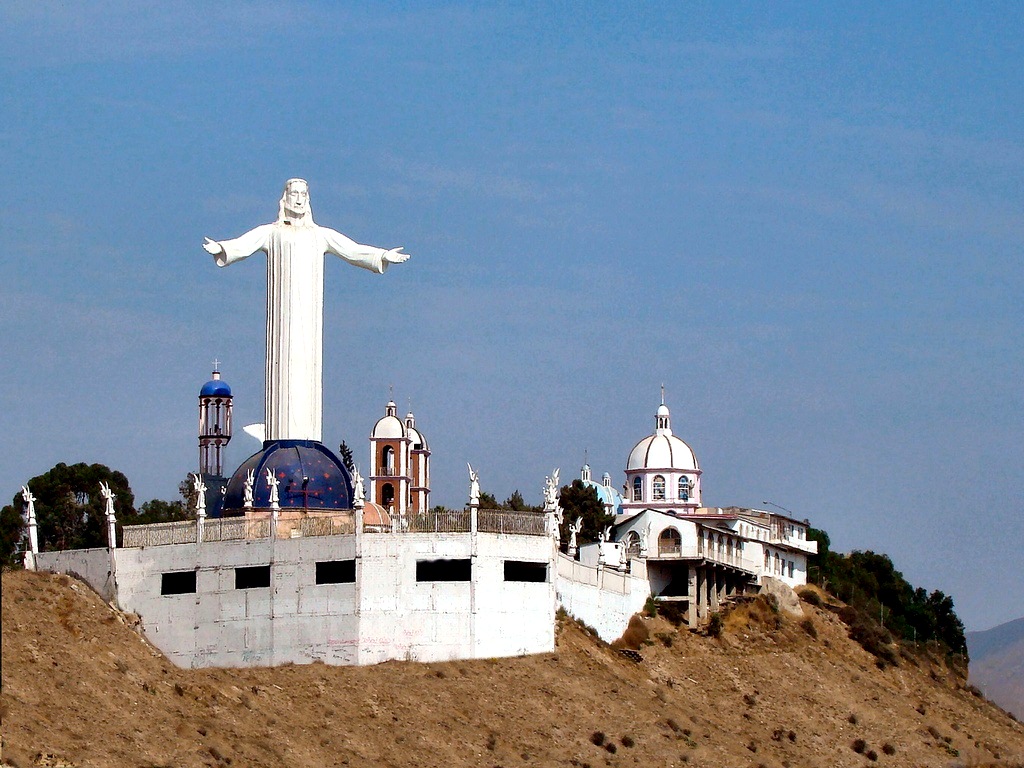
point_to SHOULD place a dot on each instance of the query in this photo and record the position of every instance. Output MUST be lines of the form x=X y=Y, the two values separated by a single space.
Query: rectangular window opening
x=178 y=583
x=444 y=570
x=336 y=572
x=521 y=570
x=252 y=577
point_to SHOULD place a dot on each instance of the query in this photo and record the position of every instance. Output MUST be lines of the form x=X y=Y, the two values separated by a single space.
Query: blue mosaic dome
x=310 y=476
x=215 y=388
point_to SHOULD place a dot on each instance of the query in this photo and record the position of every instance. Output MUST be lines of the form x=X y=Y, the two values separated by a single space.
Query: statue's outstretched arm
x=365 y=256
x=226 y=252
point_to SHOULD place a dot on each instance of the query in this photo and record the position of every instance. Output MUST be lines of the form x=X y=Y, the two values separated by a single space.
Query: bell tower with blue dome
x=214 y=424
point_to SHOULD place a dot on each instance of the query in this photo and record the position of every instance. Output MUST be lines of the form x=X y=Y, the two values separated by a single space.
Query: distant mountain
x=997 y=664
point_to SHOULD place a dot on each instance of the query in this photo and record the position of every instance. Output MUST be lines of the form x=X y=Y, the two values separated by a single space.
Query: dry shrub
x=810 y=595
x=672 y=612
x=634 y=637
x=859 y=746
x=715 y=625
x=761 y=613
x=807 y=625
x=871 y=635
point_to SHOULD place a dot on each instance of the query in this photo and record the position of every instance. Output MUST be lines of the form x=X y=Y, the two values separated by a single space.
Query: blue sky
x=806 y=221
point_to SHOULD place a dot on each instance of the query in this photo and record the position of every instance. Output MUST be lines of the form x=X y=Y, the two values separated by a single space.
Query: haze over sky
x=806 y=221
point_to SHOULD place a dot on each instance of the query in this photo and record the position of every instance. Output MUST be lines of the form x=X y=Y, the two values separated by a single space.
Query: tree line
x=869 y=583
x=70 y=513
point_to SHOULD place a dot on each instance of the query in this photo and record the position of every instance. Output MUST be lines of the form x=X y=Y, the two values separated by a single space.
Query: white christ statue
x=295 y=248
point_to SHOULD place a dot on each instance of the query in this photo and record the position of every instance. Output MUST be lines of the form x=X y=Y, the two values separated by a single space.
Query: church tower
x=419 y=468
x=399 y=464
x=214 y=424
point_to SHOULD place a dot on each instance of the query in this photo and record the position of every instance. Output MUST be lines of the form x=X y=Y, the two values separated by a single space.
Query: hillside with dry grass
x=81 y=687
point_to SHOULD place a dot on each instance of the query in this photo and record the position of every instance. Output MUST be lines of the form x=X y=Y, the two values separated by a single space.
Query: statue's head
x=295 y=203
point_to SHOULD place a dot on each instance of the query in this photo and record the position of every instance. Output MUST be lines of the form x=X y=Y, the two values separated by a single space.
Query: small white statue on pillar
x=109 y=497
x=645 y=539
x=359 y=494
x=551 y=506
x=474 y=487
x=272 y=483
x=250 y=481
x=200 y=488
x=30 y=514
x=551 y=491
x=574 y=528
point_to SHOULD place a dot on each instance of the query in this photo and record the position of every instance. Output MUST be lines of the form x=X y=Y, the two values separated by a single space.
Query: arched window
x=387 y=460
x=387 y=495
x=684 y=488
x=669 y=542
x=638 y=489
x=658 y=488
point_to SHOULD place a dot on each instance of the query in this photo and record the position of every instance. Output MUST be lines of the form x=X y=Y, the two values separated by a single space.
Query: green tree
x=871 y=585
x=579 y=500
x=157 y=511
x=516 y=503
x=345 y=453
x=487 y=500
x=12 y=530
x=69 y=508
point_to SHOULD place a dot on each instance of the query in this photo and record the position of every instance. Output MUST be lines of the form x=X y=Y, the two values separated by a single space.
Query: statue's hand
x=395 y=256
x=212 y=247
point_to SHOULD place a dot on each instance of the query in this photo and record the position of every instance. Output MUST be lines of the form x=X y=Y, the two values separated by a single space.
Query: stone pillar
x=702 y=592
x=111 y=528
x=200 y=524
x=713 y=588
x=33 y=531
x=691 y=590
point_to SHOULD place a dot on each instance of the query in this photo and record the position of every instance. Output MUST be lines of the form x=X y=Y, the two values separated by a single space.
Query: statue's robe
x=295 y=316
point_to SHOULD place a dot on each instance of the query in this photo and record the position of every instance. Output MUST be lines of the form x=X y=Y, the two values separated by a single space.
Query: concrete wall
x=93 y=566
x=385 y=614
x=601 y=598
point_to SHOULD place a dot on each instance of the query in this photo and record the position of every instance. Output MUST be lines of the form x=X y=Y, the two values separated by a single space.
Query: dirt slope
x=81 y=688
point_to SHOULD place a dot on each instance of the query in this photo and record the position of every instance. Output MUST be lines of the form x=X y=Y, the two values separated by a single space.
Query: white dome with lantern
x=662 y=471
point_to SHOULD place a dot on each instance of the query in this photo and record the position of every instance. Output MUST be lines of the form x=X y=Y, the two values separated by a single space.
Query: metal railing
x=448 y=521
x=327 y=525
x=498 y=521
x=157 y=534
x=236 y=529
x=517 y=523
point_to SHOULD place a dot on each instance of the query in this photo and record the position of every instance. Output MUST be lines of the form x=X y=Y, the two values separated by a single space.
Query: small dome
x=376 y=515
x=419 y=443
x=608 y=495
x=389 y=427
x=662 y=452
x=215 y=387
x=310 y=477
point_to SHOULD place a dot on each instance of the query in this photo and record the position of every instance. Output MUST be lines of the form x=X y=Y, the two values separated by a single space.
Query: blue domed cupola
x=310 y=477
